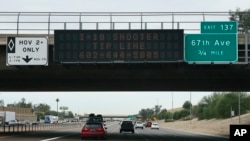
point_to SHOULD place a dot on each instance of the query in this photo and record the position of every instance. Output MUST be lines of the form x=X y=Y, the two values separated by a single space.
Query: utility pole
x=172 y=107
x=190 y=108
x=239 y=108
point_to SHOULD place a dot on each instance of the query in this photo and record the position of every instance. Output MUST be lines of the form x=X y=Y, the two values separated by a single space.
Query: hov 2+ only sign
x=27 y=51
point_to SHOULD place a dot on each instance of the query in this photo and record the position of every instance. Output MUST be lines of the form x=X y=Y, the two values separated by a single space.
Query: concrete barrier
x=36 y=127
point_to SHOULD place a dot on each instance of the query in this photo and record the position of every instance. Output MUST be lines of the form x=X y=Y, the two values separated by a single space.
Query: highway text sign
x=211 y=48
x=118 y=46
x=27 y=51
x=219 y=27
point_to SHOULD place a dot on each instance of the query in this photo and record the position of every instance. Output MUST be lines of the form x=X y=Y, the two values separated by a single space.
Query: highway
x=146 y=134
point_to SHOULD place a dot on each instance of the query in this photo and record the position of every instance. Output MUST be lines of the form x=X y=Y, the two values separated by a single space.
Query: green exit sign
x=219 y=27
x=211 y=48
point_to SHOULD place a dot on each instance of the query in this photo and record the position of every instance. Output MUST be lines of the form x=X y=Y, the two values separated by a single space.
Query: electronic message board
x=118 y=46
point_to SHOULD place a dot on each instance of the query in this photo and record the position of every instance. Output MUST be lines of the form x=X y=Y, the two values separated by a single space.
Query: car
x=93 y=130
x=12 y=122
x=25 y=122
x=35 y=123
x=148 y=124
x=155 y=125
x=127 y=126
x=138 y=124
x=74 y=120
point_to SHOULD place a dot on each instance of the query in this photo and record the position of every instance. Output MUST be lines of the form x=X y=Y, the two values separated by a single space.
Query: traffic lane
x=187 y=132
x=47 y=135
x=113 y=134
x=161 y=134
x=166 y=134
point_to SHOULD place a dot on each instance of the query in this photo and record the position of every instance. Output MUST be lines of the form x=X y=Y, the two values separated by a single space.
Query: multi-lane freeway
x=146 y=134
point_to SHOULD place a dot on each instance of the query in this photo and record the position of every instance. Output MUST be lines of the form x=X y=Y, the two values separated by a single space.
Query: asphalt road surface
x=146 y=134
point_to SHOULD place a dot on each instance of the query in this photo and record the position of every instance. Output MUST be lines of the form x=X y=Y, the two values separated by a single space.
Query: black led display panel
x=118 y=46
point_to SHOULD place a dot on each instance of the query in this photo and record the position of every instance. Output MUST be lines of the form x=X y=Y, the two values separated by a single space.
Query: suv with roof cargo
x=127 y=126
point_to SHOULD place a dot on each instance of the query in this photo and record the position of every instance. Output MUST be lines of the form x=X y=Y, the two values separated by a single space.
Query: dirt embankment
x=219 y=127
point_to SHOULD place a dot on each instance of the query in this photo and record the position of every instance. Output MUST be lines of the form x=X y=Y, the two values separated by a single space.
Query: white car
x=12 y=122
x=155 y=125
x=138 y=124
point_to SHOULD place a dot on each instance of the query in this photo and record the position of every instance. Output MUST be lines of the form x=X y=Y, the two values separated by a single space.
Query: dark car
x=93 y=130
x=148 y=124
x=127 y=126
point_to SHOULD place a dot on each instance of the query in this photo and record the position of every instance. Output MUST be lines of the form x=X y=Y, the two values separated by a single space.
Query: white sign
x=27 y=51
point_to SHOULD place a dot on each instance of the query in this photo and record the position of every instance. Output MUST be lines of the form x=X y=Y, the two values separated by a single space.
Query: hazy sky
x=122 y=5
x=121 y=103
x=114 y=102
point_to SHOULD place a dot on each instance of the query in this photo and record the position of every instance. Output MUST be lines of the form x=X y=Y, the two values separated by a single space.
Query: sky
x=122 y=5
x=106 y=103
x=114 y=102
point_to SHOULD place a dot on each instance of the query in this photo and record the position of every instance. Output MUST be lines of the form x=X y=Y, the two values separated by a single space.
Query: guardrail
x=36 y=127
x=44 y=23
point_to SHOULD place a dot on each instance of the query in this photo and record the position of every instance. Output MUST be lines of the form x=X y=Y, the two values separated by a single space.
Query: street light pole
x=239 y=108
x=57 y=100
x=172 y=107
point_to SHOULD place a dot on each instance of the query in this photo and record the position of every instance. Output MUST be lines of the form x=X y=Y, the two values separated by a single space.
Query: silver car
x=155 y=125
x=138 y=124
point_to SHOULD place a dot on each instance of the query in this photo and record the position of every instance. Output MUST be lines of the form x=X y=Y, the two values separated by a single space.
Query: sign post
x=27 y=51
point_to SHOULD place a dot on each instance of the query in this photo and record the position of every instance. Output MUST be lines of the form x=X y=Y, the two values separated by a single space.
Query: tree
x=163 y=114
x=218 y=105
x=243 y=19
x=52 y=112
x=1 y=103
x=42 y=108
x=207 y=106
x=224 y=105
x=22 y=104
x=39 y=116
x=187 y=105
x=157 y=109
x=146 y=113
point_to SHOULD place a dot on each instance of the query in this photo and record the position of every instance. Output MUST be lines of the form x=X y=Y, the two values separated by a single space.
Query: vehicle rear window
x=95 y=119
x=126 y=122
x=93 y=126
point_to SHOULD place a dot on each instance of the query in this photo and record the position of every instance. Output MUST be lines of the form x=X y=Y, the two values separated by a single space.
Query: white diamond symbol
x=11 y=45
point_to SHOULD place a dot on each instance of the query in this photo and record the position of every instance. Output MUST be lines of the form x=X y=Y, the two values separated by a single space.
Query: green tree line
x=217 y=105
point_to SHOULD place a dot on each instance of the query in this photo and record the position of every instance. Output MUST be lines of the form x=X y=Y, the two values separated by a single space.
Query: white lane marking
x=53 y=138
